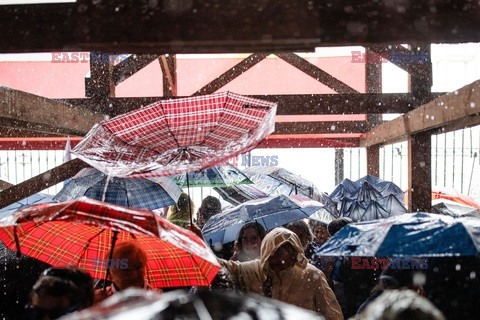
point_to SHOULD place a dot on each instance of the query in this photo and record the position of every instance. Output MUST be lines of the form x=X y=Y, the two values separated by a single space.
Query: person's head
x=210 y=206
x=249 y=241
x=401 y=305
x=320 y=233
x=130 y=272
x=395 y=276
x=181 y=210
x=301 y=229
x=337 y=224
x=59 y=291
x=281 y=249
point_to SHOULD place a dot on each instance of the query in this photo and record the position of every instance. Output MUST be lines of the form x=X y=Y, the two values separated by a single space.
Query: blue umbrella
x=151 y=193
x=413 y=235
x=270 y=212
x=28 y=201
x=219 y=176
x=368 y=198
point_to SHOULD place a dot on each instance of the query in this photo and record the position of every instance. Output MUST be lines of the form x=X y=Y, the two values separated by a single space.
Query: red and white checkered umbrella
x=81 y=232
x=177 y=135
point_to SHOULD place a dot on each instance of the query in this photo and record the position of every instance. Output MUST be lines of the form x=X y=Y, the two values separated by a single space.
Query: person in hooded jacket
x=283 y=273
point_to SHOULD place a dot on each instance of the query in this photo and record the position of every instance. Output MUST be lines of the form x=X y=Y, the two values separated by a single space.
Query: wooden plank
x=131 y=65
x=100 y=85
x=373 y=161
x=396 y=54
x=23 y=128
x=295 y=104
x=20 y=106
x=168 y=64
x=202 y=26
x=419 y=172
x=232 y=73
x=321 y=127
x=461 y=106
x=41 y=182
x=316 y=73
x=5 y=185
x=277 y=141
x=9 y=132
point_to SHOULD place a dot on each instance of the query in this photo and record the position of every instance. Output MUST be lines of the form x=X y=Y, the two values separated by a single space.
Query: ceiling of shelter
x=157 y=30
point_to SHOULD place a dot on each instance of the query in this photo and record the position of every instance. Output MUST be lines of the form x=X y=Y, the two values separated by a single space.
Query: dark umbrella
x=414 y=235
x=145 y=193
x=224 y=305
x=368 y=198
x=270 y=212
x=218 y=176
x=239 y=194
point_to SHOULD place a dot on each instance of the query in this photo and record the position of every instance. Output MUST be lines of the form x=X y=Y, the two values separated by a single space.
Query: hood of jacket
x=274 y=240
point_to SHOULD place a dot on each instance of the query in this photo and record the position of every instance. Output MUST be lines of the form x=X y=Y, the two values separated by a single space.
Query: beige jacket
x=302 y=285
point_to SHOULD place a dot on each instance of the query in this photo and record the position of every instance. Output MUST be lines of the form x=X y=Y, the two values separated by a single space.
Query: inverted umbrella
x=145 y=193
x=179 y=304
x=368 y=198
x=240 y=193
x=270 y=212
x=414 y=235
x=81 y=232
x=177 y=135
x=28 y=201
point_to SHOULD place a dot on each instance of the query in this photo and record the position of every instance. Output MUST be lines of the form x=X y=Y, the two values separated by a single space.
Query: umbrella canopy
x=454 y=195
x=145 y=193
x=241 y=193
x=28 y=201
x=218 y=176
x=414 y=235
x=368 y=198
x=147 y=305
x=270 y=212
x=177 y=135
x=453 y=208
x=80 y=232
x=275 y=181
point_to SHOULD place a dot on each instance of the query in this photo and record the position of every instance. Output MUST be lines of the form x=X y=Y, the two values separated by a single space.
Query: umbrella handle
x=189 y=201
x=114 y=239
x=17 y=242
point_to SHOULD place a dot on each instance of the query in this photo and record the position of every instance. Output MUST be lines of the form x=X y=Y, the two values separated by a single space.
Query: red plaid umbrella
x=80 y=232
x=177 y=135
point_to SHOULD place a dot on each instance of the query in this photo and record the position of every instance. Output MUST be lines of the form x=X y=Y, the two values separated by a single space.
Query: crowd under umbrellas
x=141 y=161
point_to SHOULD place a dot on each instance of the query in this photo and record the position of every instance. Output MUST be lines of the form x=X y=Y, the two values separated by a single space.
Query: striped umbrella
x=81 y=232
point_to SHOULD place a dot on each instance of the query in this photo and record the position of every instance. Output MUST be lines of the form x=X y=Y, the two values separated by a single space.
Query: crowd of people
x=280 y=264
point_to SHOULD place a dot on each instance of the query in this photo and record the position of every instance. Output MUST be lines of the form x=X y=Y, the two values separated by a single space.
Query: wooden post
x=339 y=171
x=419 y=172
x=373 y=160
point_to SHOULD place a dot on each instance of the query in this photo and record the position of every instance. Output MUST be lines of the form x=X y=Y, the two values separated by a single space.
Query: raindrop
x=427 y=116
x=458 y=267
x=473 y=275
x=356 y=27
x=456 y=92
x=432 y=117
x=24 y=143
x=47 y=176
x=419 y=278
x=348 y=9
x=472 y=104
x=117 y=9
x=422 y=164
x=332 y=127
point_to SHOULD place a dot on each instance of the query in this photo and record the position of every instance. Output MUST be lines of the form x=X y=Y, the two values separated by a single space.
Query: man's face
x=133 y=276
x=282 y=259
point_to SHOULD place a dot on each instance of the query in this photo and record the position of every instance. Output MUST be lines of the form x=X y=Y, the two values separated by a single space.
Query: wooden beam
x=232 y=73
x=130 y=66
x=277 y=141
x=316 y=73
x=23 y=128
x=321 y=127
x=202 y=26
x=373 y=161
x=168 y=64
x=8 y=132
x=461 y=106
x=100 y=86
x=419 y=172
x=41 y=182
x=401 y=57
x=39 y=112
x=299 y=104
x=5 y=185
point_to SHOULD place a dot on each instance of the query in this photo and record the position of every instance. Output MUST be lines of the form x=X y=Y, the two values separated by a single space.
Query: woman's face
x=251 y=242
x=321 y=234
